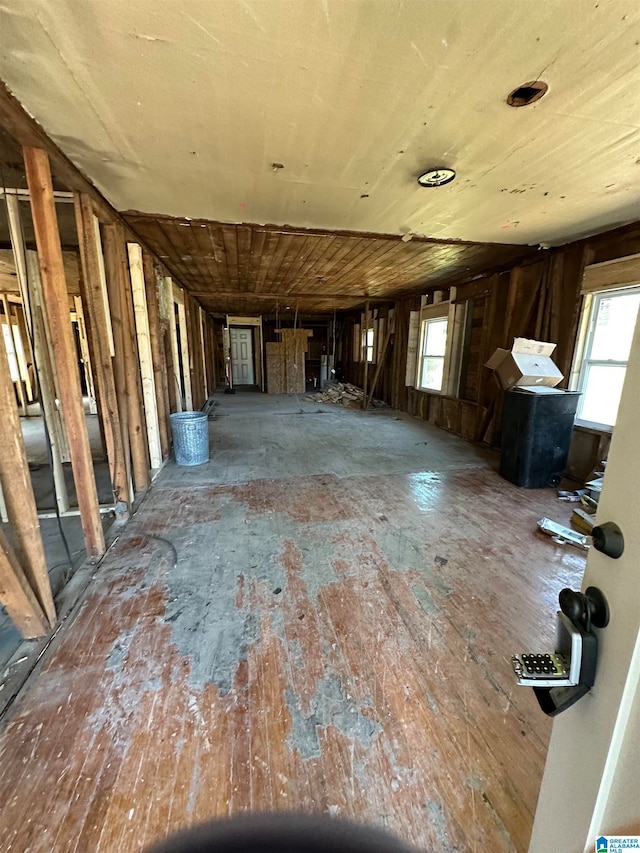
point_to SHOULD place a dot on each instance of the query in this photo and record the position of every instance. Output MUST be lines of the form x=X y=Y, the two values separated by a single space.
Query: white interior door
x=591 y=785
x=242 y=356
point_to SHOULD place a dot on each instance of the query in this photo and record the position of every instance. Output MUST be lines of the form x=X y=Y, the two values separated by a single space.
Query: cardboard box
x=526 y=363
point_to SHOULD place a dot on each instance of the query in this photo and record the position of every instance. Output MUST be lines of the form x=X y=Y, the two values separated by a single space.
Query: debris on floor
x=583 y=520
x=571 y=497
x=563 y=535
x=594 y=489
x=344 y=393
x=208 y=408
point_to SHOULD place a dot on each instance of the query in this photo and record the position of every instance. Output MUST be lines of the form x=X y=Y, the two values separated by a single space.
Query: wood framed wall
x=127 y=369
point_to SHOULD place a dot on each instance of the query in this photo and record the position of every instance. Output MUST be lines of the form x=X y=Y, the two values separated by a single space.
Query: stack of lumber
x=343 y=394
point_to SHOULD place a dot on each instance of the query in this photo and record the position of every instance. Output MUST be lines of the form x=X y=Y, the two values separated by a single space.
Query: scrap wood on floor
x=345 y=394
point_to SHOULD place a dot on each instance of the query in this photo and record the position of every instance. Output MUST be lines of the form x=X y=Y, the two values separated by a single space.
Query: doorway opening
x=245 y=352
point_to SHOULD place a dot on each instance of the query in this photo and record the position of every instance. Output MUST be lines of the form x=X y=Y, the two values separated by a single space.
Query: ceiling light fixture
x=528 y=93
x=436 y=177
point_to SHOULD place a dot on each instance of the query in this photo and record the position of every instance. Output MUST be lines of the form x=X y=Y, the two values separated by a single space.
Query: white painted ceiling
x=182 y=107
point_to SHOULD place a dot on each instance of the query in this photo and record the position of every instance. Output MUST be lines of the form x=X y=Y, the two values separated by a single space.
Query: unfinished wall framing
x=116 y=306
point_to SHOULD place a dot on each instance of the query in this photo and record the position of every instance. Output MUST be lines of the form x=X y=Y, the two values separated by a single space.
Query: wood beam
x=146 y=356
x=175 y=386
x=365 y=350
x=178 y=296
x=17 y=597
x=47 y=381
x=195 y=351
x=56 y=304
x=157 y=350
x=122 y=359
x=101 y=344
x=137 y=428
x=19 y=384
x=15 y=482
x=203 y=347
x=25 y=340
x=85 y=355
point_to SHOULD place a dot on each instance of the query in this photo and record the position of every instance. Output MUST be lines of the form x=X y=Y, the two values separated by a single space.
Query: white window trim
x=365 y=346
x=433 y=312
x=455 y=313
x=592 y=294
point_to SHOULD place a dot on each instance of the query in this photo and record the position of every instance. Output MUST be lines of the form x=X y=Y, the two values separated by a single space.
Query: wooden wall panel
x=539 y=300
x=195 y=352
x=275 y=368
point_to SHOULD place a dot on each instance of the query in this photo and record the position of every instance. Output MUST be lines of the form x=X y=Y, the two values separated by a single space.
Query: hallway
x=320 y=618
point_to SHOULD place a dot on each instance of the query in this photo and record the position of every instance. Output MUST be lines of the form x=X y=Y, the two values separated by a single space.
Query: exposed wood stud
x=18 y=495
x=47 y=381
x=14 y=341
x=203 y=351
x=56 y=304
x=101 y=344
x=178 y=295
x=112 y=273
x=175 y=392
x=365 y=353
x=157 y=353
x=194 y=339
x=136 y=418
x=25 y=339
x=85 y=354
x=17 y=597
x=146 y=356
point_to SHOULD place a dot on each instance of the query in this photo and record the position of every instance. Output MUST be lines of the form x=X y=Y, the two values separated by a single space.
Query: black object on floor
x=536 y=433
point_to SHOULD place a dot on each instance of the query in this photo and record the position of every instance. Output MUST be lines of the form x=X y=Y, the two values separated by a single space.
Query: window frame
x=582 y=359
x=430 y=314
x=368 y=349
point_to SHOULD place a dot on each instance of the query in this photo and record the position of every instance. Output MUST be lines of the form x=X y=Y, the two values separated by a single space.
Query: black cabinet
x=536 y=434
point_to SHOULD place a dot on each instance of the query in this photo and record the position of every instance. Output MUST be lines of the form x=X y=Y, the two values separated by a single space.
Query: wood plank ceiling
x=254 y=268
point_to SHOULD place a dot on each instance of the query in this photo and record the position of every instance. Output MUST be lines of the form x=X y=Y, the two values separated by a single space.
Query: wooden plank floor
x=326 y=643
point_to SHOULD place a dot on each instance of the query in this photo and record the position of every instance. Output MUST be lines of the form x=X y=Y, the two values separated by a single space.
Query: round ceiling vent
x=436 y=177
x=528 y=93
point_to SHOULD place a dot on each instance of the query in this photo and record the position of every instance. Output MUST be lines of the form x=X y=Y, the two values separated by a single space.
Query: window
x=432 y=351
x=367 y=343
x=612 y=319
